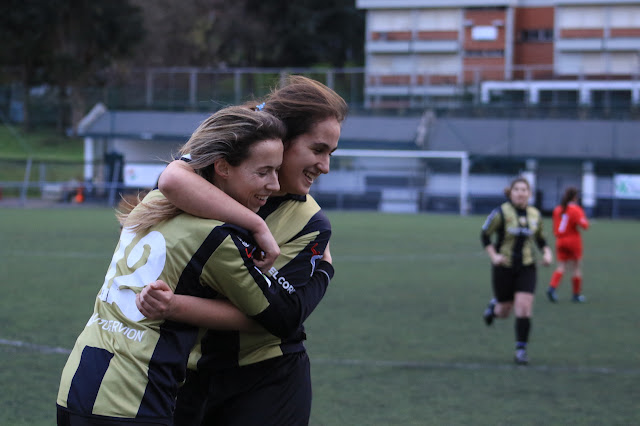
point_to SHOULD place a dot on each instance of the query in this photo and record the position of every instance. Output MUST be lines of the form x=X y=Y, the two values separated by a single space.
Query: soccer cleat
x=488 y=314
x=578 y=298
x=551 y=294
x=521 y=357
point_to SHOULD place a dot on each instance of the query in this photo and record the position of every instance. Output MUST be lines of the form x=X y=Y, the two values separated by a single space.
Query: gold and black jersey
x=516 y=231
x=124 y=365
x=302 y=231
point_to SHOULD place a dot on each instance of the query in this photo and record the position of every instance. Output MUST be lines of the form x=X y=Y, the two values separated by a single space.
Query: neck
x=520 y=206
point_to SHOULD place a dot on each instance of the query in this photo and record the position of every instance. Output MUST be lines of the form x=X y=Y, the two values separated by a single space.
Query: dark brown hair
x=507 y=190
x=570 y=194
x=301 y=102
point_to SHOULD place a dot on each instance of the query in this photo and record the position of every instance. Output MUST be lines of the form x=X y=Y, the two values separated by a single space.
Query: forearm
x=195 y=195
x=213 y=314
x=312 y=293
x=491 y=251
x=287 y=312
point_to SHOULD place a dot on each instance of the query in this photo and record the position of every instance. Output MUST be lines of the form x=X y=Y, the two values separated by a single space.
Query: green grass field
x=398 y=339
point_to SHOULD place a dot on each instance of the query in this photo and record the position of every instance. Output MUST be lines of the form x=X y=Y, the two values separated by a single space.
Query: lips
x=310 y=176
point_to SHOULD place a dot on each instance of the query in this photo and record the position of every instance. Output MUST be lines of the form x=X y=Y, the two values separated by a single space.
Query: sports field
x=398 y=340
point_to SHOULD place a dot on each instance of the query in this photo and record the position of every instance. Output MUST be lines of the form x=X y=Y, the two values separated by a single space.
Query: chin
x=304 y=190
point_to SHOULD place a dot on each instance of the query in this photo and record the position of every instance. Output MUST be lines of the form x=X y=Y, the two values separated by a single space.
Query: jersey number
x=563 y=223
x=145 y=259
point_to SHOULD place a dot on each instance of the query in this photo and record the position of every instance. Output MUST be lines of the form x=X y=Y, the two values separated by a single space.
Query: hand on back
x=155 y=300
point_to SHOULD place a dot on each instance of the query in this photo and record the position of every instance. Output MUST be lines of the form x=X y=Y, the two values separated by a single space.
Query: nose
x=324 y=164
x=273 y=184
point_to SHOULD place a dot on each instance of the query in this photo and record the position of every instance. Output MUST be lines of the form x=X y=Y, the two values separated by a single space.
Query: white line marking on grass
x=53 y=254
x=391 y=364
x=36 y=348
x=474 y=366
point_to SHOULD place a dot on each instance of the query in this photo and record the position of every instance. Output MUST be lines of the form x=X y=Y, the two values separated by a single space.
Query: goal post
x=461 y=156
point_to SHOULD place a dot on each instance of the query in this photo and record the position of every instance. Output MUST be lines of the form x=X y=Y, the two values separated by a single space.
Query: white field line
x=53 y=254
x=35 y=348
x=392 y=364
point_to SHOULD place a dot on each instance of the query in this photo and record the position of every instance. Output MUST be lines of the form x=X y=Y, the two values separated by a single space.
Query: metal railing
x=206 y=89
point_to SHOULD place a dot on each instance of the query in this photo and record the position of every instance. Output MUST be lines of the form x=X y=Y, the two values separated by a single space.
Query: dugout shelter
x=409 y=163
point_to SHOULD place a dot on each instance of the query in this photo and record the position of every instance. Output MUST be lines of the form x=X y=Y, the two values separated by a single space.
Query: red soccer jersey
x=566 y=224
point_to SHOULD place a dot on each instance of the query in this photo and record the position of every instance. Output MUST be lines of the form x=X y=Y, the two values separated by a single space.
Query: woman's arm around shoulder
x=195 y=195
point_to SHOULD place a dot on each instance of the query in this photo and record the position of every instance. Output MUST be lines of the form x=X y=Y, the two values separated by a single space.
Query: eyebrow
x=324 y=146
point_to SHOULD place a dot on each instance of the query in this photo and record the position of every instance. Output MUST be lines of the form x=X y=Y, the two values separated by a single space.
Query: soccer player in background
x=518 y=229
x=568 y=218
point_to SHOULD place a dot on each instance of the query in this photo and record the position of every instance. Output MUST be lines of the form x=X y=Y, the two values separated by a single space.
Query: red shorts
x=568 y=249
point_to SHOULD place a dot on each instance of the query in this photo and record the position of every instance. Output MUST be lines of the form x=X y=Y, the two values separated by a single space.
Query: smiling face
x=520 y=194
x=256 y=178
x=308 y=156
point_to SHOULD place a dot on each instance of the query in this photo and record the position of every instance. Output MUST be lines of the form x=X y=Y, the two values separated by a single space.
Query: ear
x=221 y=167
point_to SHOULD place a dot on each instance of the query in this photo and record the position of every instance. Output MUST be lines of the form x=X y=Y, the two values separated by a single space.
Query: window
x=529 y=36
x=484 y=53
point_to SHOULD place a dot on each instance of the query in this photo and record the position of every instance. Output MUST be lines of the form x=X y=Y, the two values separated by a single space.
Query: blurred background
x=449 y=100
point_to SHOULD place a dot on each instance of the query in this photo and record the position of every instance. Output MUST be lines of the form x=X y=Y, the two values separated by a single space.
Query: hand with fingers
x=265 y=258
x=155 y=301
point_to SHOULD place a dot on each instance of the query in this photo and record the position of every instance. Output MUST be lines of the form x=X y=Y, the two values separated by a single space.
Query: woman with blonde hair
x=126 y=368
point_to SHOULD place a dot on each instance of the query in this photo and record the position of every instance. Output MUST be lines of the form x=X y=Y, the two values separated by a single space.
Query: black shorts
x=508 y=281
x=68 y=418
x=275 y=392
x=191 y=399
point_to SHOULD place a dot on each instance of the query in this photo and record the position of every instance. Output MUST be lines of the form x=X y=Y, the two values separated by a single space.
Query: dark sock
x=523 y=325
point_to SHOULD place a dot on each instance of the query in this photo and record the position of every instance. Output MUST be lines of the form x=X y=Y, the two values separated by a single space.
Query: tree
x=169 y=32
x=89 y=37
x=294 y=34
x=252 y=33
x=25 y=31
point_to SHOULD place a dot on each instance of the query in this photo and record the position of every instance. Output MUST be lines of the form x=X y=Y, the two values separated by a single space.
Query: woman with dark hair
x=261 y=379
x=518 y=229
x=568 y=218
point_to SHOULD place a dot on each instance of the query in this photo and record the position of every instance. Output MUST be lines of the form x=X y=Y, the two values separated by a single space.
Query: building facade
x=421 y=52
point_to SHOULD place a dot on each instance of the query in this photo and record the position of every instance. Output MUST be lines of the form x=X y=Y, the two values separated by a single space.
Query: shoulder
x=309 y=206
x=575 y=208
x=154 y=195
x=303 y=211
x=492 y=217
x=504 y=209
x=531 y=210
